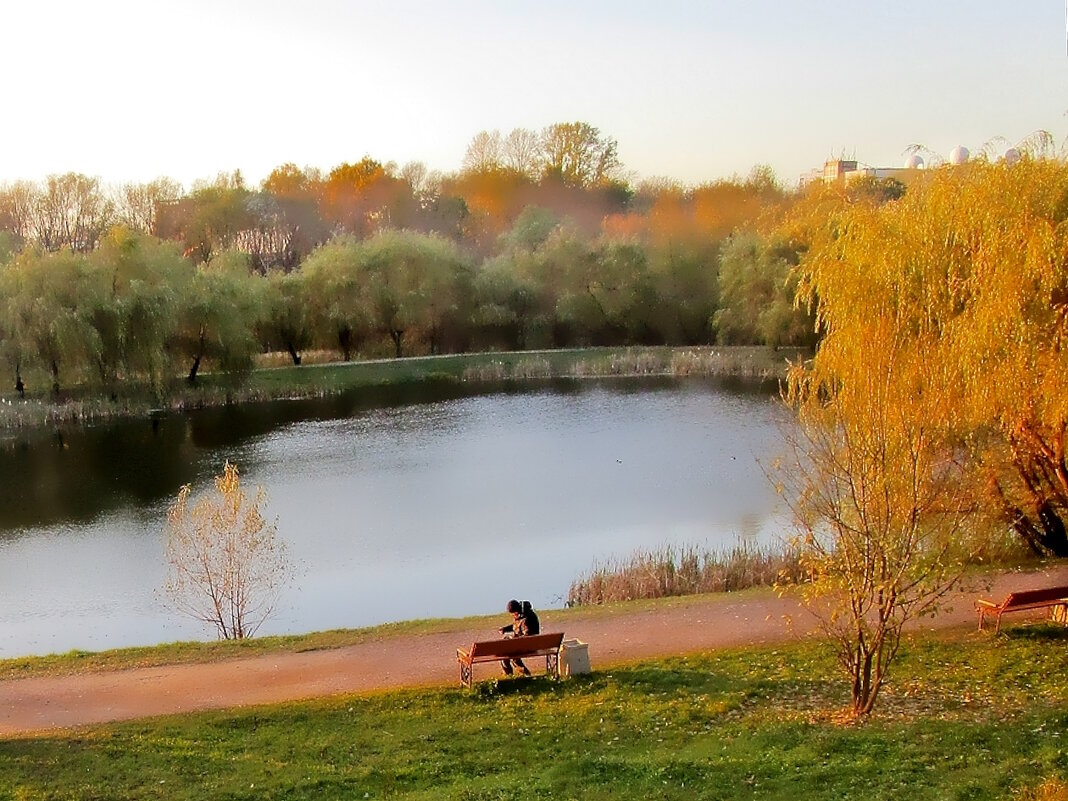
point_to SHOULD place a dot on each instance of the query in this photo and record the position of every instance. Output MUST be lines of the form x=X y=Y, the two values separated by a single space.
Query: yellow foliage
x=967 y=272
x=227 y=563
x=940 y=373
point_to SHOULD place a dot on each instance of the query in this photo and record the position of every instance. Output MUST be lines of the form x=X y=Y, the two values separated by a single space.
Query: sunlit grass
x=965 y=715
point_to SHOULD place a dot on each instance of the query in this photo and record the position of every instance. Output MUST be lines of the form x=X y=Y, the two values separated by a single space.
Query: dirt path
x=41 y=705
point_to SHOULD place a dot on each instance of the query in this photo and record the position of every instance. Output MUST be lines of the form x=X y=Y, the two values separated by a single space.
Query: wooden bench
x=1019 y=601
x=547 y=645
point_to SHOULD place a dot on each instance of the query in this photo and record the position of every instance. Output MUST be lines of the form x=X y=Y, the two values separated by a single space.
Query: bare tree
x=17 y=204
x=484 y=153
x=521 y=152
x=72 y=212
x=138 y=204
x=227 y=565
x=879 y=524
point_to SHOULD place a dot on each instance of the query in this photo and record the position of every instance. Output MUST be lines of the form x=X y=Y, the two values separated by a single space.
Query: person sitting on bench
x=524 y=622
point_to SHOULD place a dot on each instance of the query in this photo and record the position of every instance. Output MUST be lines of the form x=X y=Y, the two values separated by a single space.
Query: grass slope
x=966 y=716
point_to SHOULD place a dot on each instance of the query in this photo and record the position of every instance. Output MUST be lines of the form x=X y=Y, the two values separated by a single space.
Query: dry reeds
x=685 y=570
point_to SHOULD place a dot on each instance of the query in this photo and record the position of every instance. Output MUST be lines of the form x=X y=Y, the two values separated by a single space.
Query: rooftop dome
x=959 y=155
x=914 y=162
x=1012 y=155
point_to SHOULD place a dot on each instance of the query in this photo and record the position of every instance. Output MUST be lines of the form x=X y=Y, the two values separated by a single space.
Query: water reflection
x=398 y=503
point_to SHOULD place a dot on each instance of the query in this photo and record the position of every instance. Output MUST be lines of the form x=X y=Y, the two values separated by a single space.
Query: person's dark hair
x=513 y=606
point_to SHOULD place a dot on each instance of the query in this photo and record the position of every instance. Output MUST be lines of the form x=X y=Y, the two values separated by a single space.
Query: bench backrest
x=1028 y=597
x=517 y=645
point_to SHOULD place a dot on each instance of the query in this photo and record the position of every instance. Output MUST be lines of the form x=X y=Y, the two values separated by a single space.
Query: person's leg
x=506 y=666
x=522 y=668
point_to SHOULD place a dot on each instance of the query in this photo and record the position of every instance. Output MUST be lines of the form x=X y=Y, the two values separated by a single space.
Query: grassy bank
x=965 y=716
x=321 y=377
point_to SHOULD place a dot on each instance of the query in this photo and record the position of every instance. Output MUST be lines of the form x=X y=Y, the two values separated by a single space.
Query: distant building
x=842 y=171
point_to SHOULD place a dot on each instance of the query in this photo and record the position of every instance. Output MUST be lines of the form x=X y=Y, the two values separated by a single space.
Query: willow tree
x=995 y=240
x=980 y=259
x=881 y=476
x=227 y=565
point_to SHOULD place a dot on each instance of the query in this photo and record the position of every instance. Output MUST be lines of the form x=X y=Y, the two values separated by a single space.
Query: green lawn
x=966 y=716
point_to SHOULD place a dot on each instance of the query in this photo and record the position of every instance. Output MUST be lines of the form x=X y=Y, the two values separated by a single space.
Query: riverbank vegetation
x=107 y=294
x=685 y=570
x=970 y=716
x=324 y=376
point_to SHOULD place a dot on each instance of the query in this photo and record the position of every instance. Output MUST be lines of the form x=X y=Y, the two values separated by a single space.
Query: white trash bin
x=574 y=658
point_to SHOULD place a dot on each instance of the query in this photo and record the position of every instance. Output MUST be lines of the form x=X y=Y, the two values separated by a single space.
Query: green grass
x=966 y=716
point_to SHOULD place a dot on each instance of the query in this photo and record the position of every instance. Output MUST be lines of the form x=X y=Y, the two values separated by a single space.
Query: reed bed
x=685 y=570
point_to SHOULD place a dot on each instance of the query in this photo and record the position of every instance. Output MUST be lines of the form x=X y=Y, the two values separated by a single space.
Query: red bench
x=535 y=645
x=1019 y=601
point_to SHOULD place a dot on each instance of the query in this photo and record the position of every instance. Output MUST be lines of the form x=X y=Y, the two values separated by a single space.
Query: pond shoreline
x=322 y=379
x=394 y=501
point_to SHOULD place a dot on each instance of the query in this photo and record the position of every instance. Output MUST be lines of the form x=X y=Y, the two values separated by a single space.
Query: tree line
x=536 y=243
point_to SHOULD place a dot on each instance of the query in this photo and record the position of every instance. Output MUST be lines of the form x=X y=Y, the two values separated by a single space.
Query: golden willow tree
x=936 y=404
x=878 y=495
x=227 y=564
x=999 y=235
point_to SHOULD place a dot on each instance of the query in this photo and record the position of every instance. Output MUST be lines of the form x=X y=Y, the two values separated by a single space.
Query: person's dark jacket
x=524 y=625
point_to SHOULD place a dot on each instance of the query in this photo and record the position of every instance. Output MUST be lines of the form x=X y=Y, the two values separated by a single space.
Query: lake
x=394 y=504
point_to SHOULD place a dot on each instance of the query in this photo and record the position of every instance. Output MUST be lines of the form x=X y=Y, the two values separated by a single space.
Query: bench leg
x=552 y=665
x=465 y=675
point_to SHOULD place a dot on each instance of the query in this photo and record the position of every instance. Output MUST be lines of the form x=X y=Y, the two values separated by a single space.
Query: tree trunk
x=344 y=341
x=293 y=353
x=1055 y=538
x=192 y=377
x=1049 y=540
x=1047 y=537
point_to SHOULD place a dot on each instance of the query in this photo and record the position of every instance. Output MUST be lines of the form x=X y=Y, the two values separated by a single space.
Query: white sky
x=131 y=90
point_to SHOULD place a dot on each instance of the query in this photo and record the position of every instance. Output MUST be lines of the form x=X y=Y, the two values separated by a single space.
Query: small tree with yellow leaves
x=227 y=565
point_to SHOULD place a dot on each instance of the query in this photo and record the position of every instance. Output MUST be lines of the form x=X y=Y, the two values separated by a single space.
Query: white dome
x=914 y=162
x=1012 y=155
x=959 y=155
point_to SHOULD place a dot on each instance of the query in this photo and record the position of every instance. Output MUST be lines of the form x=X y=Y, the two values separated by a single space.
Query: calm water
x=394 y=506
